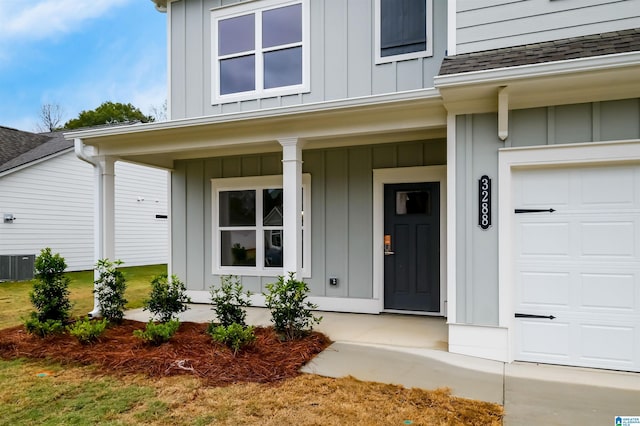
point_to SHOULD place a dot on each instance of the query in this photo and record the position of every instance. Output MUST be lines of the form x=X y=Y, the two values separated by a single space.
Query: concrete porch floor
x=409 y=331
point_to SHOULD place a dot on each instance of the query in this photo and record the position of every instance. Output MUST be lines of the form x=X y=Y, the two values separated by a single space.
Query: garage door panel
x=543 y=289
x=608 y=343
x=607 y=187
x=545 y=339
x=545 y=239
x=608 y=239
x=579 y=264
x=609 y=291
x=536 y=191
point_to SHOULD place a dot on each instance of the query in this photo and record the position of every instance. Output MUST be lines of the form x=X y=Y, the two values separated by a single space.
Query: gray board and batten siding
x=477 y=146
x=342 y=58
x=492 y=24
x=341 y=207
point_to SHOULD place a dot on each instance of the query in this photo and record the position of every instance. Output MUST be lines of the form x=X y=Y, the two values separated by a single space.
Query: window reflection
x=238 y=74
x=272 y=207
x=283 y=67
x=238 y=248
x=237 y=208
x=273 y=248
x=282 y=26
x=236 y=35
x=413 y=202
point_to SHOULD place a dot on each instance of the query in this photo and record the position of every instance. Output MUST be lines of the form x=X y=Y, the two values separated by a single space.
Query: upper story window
x=404 y=30
x=260 y=52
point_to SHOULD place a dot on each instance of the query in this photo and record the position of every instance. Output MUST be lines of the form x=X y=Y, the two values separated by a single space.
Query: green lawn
x=15 y=304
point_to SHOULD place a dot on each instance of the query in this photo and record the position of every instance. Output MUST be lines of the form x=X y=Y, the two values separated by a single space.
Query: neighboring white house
x=473 y=159
x=47 y=200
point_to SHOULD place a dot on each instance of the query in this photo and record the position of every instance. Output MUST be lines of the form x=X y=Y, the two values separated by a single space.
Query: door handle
x=389 y=253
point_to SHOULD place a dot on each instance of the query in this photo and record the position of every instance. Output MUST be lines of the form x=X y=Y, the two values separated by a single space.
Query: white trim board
x=512 y=159
x=479 y=341
x=406 y=175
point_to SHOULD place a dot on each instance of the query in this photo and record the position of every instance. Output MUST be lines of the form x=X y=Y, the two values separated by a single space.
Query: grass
x=80 y=395
x=15 y=304
x=46 y=393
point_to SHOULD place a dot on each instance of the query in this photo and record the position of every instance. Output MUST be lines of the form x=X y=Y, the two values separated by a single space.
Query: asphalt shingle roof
x=18 y=148
x=549 y=51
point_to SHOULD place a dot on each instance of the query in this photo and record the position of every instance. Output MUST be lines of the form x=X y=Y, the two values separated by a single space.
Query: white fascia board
x=278 y=112
x=545 y=69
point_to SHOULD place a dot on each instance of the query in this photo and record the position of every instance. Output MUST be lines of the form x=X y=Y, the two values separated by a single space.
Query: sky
x=79 y=54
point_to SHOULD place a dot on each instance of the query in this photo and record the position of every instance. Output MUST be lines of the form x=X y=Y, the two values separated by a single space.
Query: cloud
x=40 y=19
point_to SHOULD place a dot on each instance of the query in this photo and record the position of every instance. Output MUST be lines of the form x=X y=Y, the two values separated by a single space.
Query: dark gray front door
x=412 y=246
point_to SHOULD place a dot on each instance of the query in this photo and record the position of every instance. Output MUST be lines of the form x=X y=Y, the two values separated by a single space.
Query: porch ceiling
x=413 y=116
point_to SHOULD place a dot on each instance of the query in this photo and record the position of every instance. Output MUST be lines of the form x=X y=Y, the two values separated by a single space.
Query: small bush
x=230 y=302
x=290 y=312
x=109 y=288
x=50 y=295
x=157 y=334
x=87 y=331
x=45 y=328
x=235 y=336
x=168 y=297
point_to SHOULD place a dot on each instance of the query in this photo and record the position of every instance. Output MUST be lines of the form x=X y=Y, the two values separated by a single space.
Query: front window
x=403 y=29
x=260 y=52
x=248 y=225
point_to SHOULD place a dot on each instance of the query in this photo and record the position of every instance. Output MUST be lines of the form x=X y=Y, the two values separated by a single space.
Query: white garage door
x=579 y=264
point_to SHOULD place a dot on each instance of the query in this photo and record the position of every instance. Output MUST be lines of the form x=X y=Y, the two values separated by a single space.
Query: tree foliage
x=108 y=113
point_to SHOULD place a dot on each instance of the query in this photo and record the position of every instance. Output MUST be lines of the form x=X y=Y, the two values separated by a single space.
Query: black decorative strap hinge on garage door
x=534 y=210
x=534 y=316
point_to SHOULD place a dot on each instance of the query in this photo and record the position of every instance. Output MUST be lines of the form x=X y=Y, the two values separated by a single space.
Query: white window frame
x=404 y=56
x=258 y=183
x=260 y=91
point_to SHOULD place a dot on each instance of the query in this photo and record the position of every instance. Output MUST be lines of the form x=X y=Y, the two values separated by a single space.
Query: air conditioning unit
x=17 y=267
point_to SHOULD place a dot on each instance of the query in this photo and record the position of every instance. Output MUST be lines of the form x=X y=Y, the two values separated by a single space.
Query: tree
x=108 y=113
x=50 y=118
x=159 y=113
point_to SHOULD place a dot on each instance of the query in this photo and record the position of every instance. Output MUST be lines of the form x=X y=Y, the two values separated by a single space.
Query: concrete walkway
x=411 y=351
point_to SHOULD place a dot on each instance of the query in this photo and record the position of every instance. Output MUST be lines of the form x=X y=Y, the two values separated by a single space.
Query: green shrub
x=109 y=288
x=290 y=312
x=235 y=336
x=50 y=295
x=230 y=302
x=167 y=298
x=157 y=334
x=40 y=328
x=86 y=330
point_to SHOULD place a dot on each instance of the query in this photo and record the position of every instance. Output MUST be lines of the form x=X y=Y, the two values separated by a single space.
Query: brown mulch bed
x=190 y=351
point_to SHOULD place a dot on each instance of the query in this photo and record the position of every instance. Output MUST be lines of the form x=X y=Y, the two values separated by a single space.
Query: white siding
x=341 y=49
x=53 y=205
x=491 y=24
x=141 y=238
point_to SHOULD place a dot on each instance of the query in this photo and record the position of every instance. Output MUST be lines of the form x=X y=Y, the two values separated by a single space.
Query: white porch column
x=292 y=200
x=104 y=217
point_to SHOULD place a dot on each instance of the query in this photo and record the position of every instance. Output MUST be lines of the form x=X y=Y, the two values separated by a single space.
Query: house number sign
x=484 y=202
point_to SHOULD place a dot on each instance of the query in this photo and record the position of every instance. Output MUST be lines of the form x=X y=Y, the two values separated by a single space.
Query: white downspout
x=98 y=233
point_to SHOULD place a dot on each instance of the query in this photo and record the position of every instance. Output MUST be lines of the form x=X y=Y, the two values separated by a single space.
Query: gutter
x=333 y=106
x=98 y=216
